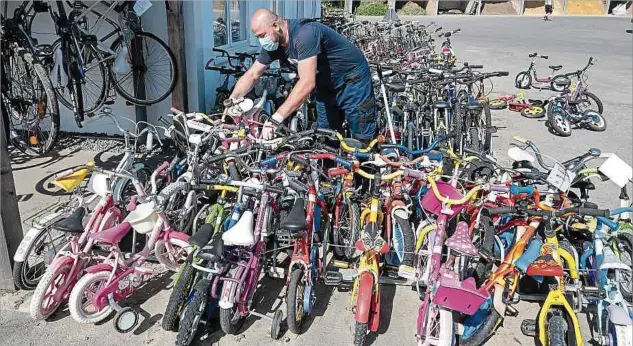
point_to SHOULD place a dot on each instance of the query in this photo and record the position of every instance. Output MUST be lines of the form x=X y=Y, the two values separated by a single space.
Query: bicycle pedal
x=406 y=272
x=528 y=327
x=332 y=278
x=511 y=311
x=340 y=264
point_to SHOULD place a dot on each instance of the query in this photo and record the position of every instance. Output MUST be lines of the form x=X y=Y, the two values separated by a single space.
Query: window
x=229 y=25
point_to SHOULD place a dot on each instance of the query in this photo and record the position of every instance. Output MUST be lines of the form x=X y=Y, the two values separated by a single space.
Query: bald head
x=262 y=20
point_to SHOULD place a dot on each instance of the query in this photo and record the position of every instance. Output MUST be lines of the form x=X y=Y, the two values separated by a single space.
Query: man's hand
x=271 y=126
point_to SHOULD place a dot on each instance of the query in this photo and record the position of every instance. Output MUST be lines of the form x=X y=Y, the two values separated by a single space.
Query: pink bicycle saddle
x=460 y=241
x=112 y=235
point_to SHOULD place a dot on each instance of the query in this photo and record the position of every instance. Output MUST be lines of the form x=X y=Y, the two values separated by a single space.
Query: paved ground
x=497 y=43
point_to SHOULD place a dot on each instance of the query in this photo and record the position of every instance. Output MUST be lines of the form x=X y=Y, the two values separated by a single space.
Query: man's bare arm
x=248 y=80
x=305 y=85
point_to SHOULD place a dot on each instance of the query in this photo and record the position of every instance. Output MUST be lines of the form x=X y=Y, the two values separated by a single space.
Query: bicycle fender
x=25 y=244
x=120 y=182
x=101 y=267
x=178 y=235
x=374 y=316
x=60 y=262
x=364 y=298
x=529 y=255
x=619 y=316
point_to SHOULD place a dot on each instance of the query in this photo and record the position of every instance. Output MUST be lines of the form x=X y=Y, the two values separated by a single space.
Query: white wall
x=154 y=21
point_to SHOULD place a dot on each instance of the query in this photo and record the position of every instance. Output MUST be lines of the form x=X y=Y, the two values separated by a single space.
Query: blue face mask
x=268 y=44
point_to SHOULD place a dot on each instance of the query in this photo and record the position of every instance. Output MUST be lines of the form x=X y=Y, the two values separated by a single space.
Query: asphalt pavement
x=498 y=43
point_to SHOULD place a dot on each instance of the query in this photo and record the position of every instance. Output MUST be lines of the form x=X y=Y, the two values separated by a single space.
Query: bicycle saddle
x=442 y=104
x=587 y=185
x=555 y=67
x=545 y=264
x=295 y=222
x=72 y=224
x=213 y=251
x=473 y=106
x=202 y=236
x=611 y=261
x=241 y=234
x=112 y=235
x=460 y=241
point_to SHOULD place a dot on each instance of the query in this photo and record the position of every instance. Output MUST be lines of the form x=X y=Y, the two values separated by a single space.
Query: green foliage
x=412 y=9
x=371 y=9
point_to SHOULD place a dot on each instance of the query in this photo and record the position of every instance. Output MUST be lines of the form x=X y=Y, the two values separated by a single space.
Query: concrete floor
x=499 y=43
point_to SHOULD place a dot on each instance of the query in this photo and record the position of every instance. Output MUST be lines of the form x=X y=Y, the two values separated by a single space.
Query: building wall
x=154 y=21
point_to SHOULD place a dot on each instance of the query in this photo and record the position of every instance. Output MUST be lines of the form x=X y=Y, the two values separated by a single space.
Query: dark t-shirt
x=336 y=56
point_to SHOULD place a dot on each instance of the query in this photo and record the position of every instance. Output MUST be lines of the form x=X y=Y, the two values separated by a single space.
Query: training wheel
x=125 y=320
x=275 y=325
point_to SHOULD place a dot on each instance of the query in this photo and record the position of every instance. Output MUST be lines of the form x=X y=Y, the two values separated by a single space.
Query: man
x=548 y=9
x=326 y=61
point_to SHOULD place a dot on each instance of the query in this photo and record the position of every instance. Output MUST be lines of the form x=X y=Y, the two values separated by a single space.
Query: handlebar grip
x=415 y=174
x=327 y=132
x=163 y=166
x=545 y=57
x=274 y=189
x=297 y=186
x=594 y=212
x=175 y=110
x=476 y=66
x=364 y=156
x=209 y=182
x=533 y=55
x=345 y=163
x=271 y=161
x=609 y=223
x=503 y=73
x=300 y=160
x=502 y=210
x=64 y=173
x=435 y=156
x=335 y=172
x=516 y=189
x=327 y=148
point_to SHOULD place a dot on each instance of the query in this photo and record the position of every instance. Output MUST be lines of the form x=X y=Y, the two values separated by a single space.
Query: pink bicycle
x=69 y=263
x=98 y=292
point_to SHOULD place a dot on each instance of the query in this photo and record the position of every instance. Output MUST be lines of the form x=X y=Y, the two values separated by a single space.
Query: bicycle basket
x=433 y=205
x=143 y=218
x=70 y=180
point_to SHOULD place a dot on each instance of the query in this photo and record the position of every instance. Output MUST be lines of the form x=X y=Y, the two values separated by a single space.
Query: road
x=499 y=43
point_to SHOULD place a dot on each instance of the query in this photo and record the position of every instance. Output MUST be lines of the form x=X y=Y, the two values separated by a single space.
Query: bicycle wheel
x=498 y=104
x=523 y=80
x=157 y=66
x=595 y=121
x=192 y=313
x=294 y=302
x=183 y=284
x=590 y=100
x=30 y=106
x=558 y=122
x=348 y=229
x=27 y=273
x=93 y=84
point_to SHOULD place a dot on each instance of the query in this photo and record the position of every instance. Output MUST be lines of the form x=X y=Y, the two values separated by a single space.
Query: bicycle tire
x=520 y=80
x=599 y=125
x=191 y=316
x=293 y=321
x=39 y=74
x=556 y=331
x=360 y=333
x=347 y=245
x=408 y=240
x=488 y=124
x=595 y=99
x=485 y=330
x=563 y=130
x=20 y=269
x=625 y=246
x=174 y=75
x=102 y=93
x=181 y=288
